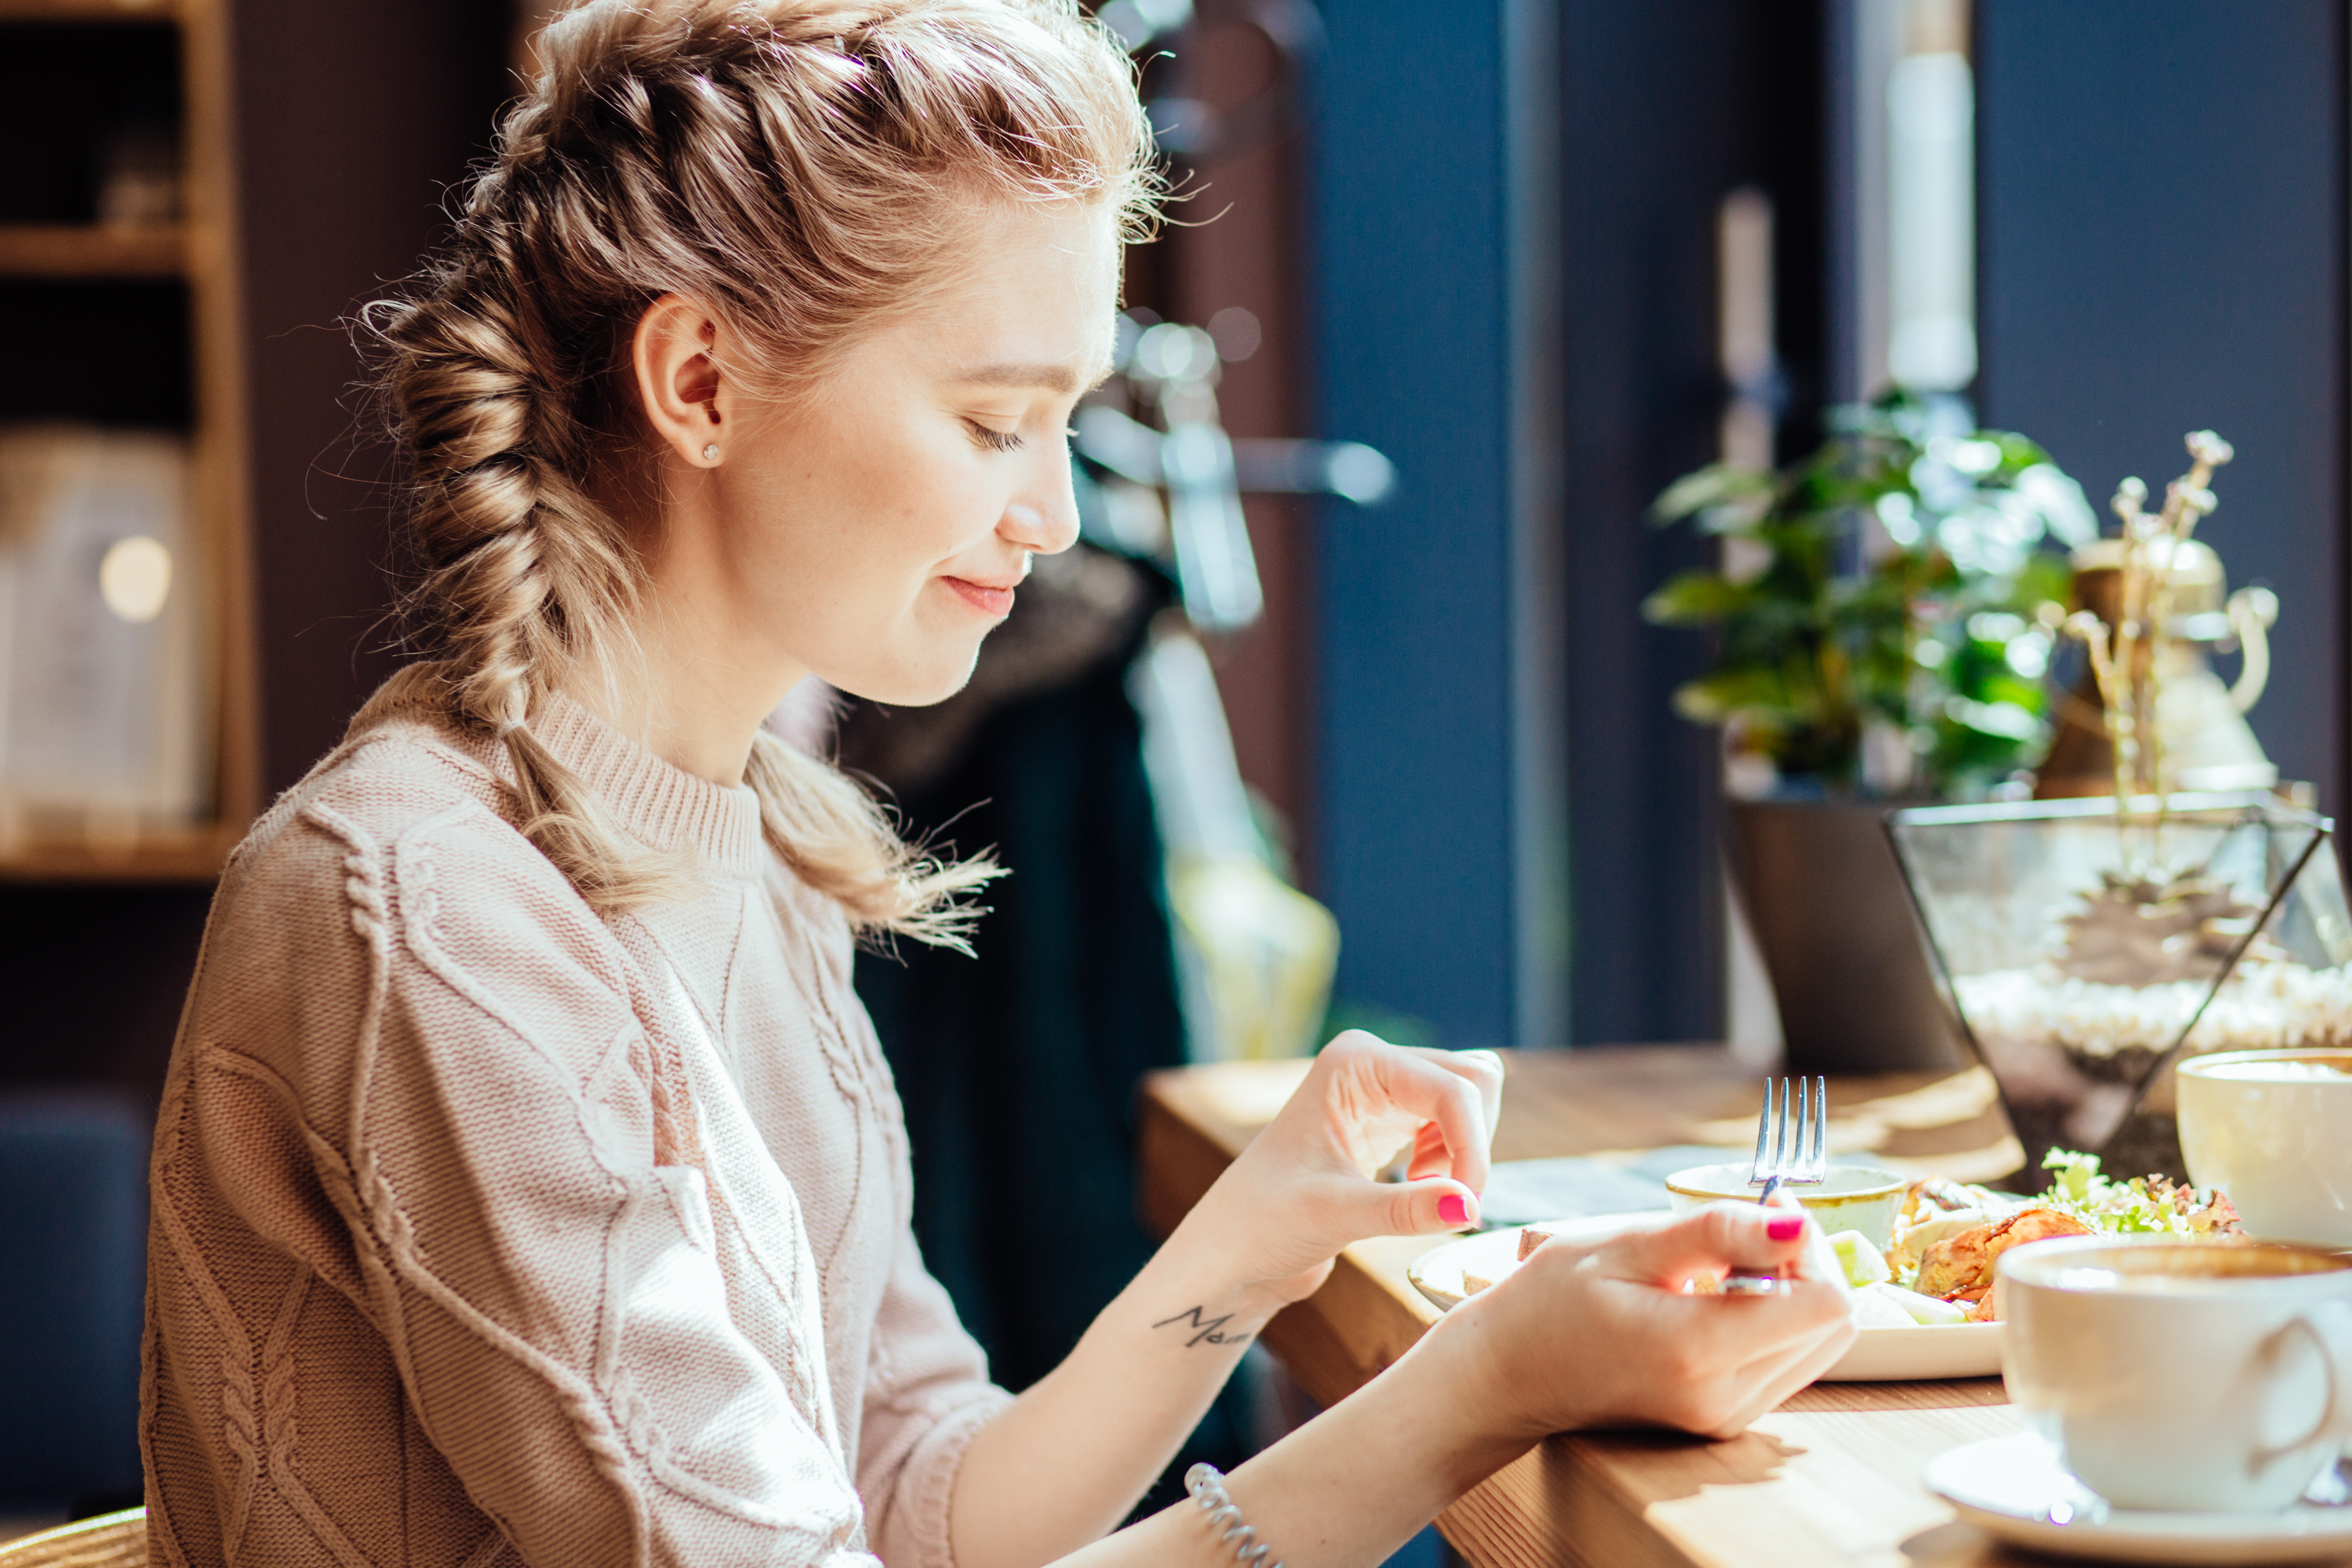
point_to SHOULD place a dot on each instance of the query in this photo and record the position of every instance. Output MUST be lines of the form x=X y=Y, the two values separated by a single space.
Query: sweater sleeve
x=926 y=1396
x=551 y=1295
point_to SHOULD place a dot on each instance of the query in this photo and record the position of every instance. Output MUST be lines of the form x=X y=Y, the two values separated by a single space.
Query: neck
x=702 y=676
x=696 y=711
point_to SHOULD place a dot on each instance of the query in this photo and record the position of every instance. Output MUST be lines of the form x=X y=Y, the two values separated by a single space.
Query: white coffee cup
x=2274 y=1131
x=2207 y=1376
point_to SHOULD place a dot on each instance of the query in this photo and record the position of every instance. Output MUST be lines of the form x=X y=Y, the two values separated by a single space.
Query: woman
x=528 y=1187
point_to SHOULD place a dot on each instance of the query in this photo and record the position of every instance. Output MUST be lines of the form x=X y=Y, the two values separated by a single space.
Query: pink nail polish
x=1785 y=1227
x=1453 y=1210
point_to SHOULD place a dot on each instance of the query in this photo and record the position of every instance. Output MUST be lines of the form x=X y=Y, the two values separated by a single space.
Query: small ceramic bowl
x=1852 y=1197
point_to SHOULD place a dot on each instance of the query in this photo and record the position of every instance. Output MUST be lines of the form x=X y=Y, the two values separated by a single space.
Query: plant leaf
x=1751 y=694
x=1717 y=484
x=1696 y=598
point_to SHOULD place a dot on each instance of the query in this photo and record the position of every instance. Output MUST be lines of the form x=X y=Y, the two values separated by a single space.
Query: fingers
x=1430 y=1157
x=1757 y=1335
x=1357 y=1208
x=1763 y=1349
x=1771 y=1378
x=1586 y=1239
x=1483 y=1068
x=1710 y=1243
x=1810 y=1353
x=1436 y=1203
x=1438 y=1091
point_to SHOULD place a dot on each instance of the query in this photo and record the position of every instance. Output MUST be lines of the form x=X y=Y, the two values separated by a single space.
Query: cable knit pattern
x=489 y=1232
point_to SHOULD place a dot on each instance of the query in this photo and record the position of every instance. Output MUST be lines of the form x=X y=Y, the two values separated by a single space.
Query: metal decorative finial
x=2127 y=657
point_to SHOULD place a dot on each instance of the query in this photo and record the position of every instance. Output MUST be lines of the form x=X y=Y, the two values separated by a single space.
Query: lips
x=988 y=598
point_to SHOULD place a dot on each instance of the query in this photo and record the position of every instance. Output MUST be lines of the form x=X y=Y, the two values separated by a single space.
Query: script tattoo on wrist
x=1207 y=1330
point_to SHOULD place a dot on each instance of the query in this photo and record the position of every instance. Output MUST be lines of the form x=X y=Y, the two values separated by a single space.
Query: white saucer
x=2012 y=1488
x=1878 y=1355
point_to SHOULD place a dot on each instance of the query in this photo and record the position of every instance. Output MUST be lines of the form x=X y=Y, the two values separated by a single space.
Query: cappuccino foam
x=2289 y=1070
x=2193 y=1269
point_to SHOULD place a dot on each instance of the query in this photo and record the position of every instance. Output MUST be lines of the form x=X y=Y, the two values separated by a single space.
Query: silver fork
x=1790 y=1153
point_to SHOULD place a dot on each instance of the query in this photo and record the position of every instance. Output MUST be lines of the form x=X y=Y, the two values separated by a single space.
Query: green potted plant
x=1878 y=639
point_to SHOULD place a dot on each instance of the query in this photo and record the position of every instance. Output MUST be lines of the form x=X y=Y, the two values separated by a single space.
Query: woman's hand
x=1305 y=1187
x=1605 y=1334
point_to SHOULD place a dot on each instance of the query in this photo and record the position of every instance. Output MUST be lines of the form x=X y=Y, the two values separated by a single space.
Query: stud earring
x=710 y=453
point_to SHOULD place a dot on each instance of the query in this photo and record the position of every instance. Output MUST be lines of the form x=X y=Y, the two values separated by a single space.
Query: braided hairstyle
x=801 y=168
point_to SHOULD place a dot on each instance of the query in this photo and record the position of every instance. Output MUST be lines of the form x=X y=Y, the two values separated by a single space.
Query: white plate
x=1879 y=1355
x=2012 y=1489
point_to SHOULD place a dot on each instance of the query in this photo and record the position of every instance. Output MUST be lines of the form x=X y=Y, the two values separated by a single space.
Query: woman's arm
x=1064 y=1463
x=1104 y=1423
x=1578 y=1337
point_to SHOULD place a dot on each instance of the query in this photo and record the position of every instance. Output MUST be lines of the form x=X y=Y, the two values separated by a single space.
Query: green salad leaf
x=2144 y=1206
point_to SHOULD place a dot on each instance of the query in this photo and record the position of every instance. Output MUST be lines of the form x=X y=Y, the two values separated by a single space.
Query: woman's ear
x=690 y=405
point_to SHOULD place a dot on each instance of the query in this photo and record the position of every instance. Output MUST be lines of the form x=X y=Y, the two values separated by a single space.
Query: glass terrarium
x=2086 y=949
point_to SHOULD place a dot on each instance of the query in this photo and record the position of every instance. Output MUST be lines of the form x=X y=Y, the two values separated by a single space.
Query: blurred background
x=1357 y=707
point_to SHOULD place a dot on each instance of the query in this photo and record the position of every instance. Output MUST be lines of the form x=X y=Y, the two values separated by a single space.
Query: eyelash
x=996 y=440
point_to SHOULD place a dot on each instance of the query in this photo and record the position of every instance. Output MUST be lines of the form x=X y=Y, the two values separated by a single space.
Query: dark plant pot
x=1830 y=913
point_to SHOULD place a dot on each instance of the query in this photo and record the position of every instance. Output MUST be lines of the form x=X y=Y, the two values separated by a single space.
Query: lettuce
x=2143 y=1205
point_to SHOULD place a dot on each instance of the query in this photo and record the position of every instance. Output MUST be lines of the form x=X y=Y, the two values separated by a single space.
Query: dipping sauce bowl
x=1852 y=1198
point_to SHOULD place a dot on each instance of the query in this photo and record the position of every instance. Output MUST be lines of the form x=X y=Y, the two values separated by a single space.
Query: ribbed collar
x=659 y=805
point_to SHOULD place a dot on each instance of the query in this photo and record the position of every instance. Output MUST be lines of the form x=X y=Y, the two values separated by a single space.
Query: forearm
x=1348 y=1487
x=1071 y=1456
x=1066 y=1461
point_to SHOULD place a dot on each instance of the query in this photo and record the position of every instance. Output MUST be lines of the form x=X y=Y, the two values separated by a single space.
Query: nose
x=1042 y=518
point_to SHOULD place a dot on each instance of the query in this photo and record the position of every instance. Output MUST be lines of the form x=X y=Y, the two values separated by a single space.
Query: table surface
x=1832 y=1478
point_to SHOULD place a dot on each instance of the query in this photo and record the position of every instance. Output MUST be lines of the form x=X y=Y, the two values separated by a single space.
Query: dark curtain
x=1019 y=1067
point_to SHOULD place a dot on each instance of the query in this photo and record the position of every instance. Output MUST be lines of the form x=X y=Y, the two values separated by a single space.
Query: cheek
x=860 y=516
x=920 y=508
x=861 y=525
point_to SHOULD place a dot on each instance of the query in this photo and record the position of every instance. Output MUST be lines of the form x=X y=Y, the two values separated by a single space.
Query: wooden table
x=1832 y=1478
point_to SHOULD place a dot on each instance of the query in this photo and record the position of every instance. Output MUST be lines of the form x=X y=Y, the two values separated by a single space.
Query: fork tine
x=1793 y=1168
x=1757 y=1172
x=1820 y=1160
x=1781 y=1133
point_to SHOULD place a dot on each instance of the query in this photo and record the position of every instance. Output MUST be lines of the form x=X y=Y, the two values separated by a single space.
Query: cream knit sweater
x=488 y=1231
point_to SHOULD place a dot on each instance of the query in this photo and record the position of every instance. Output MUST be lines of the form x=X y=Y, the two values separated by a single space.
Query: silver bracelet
x=1206 y=1483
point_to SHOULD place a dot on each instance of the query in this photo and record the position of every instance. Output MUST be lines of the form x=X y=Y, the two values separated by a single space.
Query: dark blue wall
x=2162 y=248
x=1666 y=110
x=73 y=1218
x=1436 y=338
x=1411 y=287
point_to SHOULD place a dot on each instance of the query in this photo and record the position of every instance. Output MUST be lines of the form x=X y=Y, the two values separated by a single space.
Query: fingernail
x=1785 y=1227
x=1453 y=1210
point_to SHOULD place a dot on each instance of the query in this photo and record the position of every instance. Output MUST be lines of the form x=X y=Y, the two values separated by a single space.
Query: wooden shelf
x=181 y=855
x=67 y=250
x=39 y=848
x=87 y=10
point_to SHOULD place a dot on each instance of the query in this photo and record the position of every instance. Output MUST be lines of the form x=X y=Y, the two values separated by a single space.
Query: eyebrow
x=1058 y=378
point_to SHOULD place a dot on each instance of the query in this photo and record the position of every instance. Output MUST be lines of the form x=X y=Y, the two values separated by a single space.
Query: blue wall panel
x=2162 y=249
x=1664 y=110
x=73 y=1232
x=1412 y=289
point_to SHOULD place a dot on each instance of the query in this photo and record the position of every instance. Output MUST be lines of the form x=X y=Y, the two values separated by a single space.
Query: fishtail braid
x=516 y=560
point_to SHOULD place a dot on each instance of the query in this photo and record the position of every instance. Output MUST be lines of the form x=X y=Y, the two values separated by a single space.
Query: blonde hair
x=802 y=169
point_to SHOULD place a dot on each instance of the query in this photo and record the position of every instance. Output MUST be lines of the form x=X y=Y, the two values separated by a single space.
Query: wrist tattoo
x=1207 y=1331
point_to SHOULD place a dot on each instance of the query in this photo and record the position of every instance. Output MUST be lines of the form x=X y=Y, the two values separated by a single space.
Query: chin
x=915 y=684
